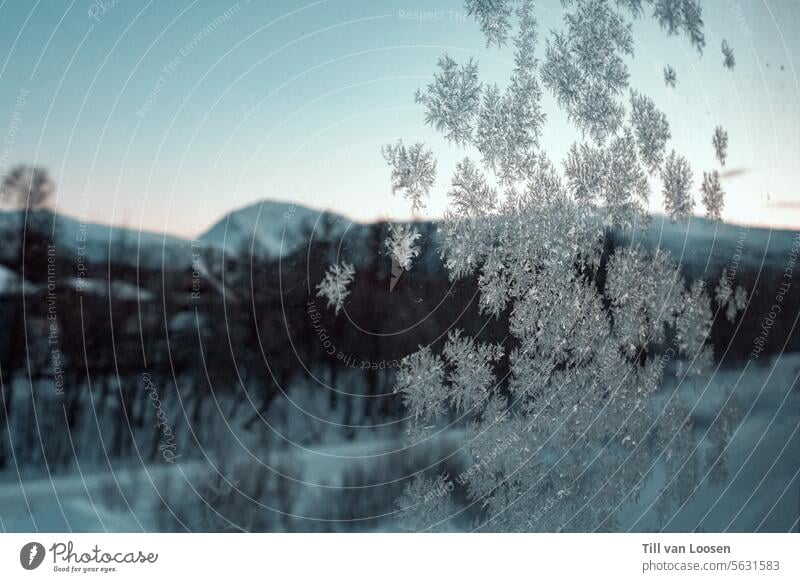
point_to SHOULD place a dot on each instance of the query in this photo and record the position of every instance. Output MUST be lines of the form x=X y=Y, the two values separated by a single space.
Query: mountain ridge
x=276 y=229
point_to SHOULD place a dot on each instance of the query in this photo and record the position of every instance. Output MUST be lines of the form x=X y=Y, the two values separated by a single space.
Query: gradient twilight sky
x=150 y=118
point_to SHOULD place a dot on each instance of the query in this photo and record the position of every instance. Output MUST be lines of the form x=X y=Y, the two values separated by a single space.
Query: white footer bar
x=401 y=557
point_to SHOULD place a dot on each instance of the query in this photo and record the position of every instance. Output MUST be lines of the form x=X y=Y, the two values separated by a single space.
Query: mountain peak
x=275 y=228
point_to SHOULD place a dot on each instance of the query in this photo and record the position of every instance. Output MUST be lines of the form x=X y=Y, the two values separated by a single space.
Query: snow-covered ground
x=762 y=489
x=760 y=493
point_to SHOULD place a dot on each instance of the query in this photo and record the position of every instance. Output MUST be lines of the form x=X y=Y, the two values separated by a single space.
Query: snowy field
x=348 y=485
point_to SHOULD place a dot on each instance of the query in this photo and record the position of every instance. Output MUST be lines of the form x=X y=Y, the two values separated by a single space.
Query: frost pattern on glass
x=681 y=16
x=494 y=18
x=470 y=374
x=592 y=324
x=732 y=301
x=713 y=196
x=693 y=326
x=426 y=504
x=651 y=129
x=644 y=296
x=728 y=60
x=510 y=122
x=334 y=285
x=468 y=226
x=609 y=179
x=584 y=67
x=720 y=143
x=420 y=380
x=670 y=77
x=676 y=181
x=401 y=245
x=452 y=100
x=413 y=171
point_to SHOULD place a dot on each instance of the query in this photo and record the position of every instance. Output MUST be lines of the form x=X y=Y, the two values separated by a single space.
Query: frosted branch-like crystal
x=712 y=195
x=676 y=178
x=453 y=99
x=334 y=286
x=720 y=143
x=413 y=171
x=728 y=60
x=401 y=245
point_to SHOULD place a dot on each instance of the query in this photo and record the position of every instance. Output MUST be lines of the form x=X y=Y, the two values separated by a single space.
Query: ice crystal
x=452 y=100
x=731 y=301
x=509 y=124
x=713 y=196
x=670 y=77
x=643 y=295
x=420 y=379
x=494 y=18
x=401 y=245
x=426 y=504
x=584 y=67
x=635 y=7
x=609 y=177
x=694 y=325
x=335 y=283
x=467 y=230
x=651 y=129
x=471 y=376
x=676 y=180
x=413 y=171
x=676 y=16
x=728 y=60
x=720 y=143
x=589 y=327
x=490 y=135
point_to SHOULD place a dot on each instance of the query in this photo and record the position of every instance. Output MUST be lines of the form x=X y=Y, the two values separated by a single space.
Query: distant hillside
x=705 y=247
x=97 y=242
x=307 y=241
x=277 y=229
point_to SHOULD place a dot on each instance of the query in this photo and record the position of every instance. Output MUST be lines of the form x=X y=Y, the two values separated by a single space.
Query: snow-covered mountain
x=273 y=228
x=277 y=229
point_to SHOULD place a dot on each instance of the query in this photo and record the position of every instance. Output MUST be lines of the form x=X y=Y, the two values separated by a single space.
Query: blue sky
x=165 y=115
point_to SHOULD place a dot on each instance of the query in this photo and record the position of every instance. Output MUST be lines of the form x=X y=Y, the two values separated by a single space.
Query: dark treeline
x=125 y=359
x=92 y=354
